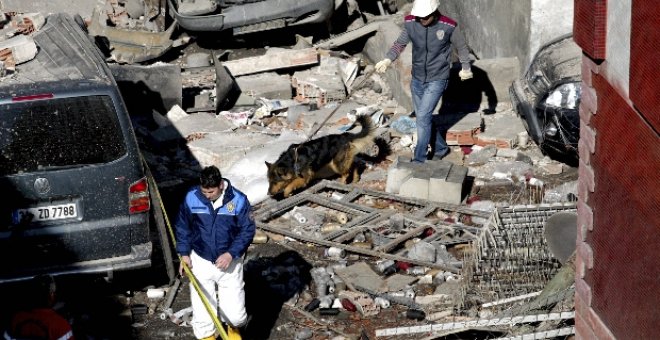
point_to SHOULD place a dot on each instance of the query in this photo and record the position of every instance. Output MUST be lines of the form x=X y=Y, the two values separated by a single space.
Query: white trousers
x=231 y=295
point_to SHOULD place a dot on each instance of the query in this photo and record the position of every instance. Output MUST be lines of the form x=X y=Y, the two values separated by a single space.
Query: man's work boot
x=233 y=333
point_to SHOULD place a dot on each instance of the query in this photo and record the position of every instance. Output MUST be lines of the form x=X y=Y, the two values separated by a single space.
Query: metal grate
x=511 y=256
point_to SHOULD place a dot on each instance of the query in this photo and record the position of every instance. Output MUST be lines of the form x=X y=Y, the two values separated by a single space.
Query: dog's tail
x=364 y=139
x=367 y=127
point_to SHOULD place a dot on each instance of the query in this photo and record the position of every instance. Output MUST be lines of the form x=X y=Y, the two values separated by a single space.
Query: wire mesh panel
x=511 y=256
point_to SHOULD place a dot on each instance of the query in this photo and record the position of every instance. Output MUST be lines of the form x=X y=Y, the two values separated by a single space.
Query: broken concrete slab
x=202 y=122
x=275 y=58
x=349 y=36
x=17 y=50
x=223 y=149
x=131 y=46
x=461 y=128
x=360 y=275
x=502 y=130
x=267 y=85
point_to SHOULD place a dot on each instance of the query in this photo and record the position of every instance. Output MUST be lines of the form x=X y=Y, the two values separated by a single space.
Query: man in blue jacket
x=213 y=231
x=432 y=35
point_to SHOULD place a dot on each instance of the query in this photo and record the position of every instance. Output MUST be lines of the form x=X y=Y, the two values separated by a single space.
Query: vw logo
x=41 y=185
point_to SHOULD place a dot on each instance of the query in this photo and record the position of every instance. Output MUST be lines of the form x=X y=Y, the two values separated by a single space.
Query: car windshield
x=58 y=133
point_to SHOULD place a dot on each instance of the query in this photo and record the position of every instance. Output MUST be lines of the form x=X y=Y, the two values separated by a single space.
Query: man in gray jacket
x=432 y=35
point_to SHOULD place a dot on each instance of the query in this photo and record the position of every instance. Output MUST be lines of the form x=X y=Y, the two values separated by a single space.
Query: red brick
x=583 y=231
x=644 y=54
x=589 y=99
x=598 y=326
x=589 y=26
x=589 y=135
x=586 y=174
x=583 y=290
x=582 y=329
x=580 y=267
x=588 y=67
x=583 y=149
x=585 y=252
x=585 y=215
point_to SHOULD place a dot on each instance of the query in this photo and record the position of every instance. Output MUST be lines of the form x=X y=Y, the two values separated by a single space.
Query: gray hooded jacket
x=431 y=55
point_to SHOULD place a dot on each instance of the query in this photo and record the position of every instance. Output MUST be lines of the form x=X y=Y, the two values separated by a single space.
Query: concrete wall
x=493 y=28
x=549 y=19
x=617 y=44
x=510 y=28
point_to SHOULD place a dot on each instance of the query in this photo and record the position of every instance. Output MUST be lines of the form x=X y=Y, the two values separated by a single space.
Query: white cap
x=422 y=8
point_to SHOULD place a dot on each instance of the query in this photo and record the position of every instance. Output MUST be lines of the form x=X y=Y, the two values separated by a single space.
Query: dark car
x=75 y=193
x=548 y=98
x=246 y=16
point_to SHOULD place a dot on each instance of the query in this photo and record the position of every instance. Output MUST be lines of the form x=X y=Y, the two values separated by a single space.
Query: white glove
x=382 y=65
x=465 y=74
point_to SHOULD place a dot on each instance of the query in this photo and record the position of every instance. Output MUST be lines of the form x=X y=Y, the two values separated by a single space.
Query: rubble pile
x=448 y=246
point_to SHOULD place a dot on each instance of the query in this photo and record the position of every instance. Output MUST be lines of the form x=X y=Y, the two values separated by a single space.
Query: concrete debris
x=266 y=85
x=17 y=50
x=458 y=239
x=131 y=40
x=312 y=86
x=14 y=24
x=274 y=59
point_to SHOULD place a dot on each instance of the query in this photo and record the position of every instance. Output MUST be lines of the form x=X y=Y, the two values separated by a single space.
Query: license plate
x=46 y=213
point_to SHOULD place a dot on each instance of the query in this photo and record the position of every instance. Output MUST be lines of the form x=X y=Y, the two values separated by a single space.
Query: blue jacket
x=211 y=233
x=431 y=55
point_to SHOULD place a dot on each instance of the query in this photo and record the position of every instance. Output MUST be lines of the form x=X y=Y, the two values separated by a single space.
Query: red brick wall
x=618 y=275
x=644 y=58
x=590 y=26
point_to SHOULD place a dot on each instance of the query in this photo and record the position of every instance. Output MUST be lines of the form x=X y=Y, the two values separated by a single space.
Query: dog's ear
x=268 y=165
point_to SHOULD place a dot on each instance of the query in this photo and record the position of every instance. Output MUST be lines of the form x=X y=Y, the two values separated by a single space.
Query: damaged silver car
x=547 y=98
x=246 y=16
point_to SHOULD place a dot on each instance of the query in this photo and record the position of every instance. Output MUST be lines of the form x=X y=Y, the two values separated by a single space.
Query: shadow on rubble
x=269 y=283
x=464 y=97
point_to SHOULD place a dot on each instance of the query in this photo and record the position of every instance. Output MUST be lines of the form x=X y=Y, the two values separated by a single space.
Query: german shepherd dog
x=323 y=157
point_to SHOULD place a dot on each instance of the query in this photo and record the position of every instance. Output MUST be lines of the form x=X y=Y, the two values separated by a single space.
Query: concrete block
x=398 y=173
x=446 y=183
x=417 y=186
